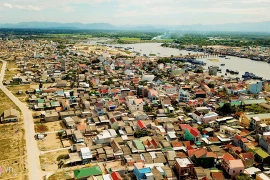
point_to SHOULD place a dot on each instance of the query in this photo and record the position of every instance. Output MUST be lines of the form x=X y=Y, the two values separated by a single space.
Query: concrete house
x=51 y=116
x=10 y=115
x=264 y=141
x=69 y=122
x=255 y=88
x=152 y=94
x=142 y=172
x=183 y=96
x=78 y=137
x=184 y=167
x=231 y=165
x=99 y=109
x=134 y=104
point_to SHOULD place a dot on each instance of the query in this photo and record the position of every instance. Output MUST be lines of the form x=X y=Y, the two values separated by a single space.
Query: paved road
x=34 y=169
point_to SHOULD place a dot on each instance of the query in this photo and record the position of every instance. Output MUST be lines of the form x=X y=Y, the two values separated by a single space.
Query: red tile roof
x=228 y=156
x=185 y=126
x=141 y=124
x=247 y=155
x=217 y=176
x=194 y=132
x=116 y=176
x=200 y=152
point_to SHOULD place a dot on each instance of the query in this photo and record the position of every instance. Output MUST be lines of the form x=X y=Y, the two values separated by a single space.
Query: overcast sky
x=135 y=12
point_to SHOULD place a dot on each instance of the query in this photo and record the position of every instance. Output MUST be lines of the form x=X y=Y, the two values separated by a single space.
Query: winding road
x=33 y=152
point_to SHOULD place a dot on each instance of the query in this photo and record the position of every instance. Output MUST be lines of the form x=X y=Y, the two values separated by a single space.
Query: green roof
x=254 y=101
x=262 y=153
x=234 y=103
x=139 y=145
x=40 y=100
x=87 y=172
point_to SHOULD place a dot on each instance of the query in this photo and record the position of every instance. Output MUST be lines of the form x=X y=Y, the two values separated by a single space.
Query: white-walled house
x=134 y=104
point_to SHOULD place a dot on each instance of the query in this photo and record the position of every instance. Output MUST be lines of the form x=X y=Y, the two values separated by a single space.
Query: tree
x=227 y=108
x=210 y=85
x=147 y=108
x=242 y=176
x=40 y=85
x=141 y=133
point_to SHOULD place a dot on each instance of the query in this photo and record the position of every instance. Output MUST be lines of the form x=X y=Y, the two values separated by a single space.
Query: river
x=242 y=65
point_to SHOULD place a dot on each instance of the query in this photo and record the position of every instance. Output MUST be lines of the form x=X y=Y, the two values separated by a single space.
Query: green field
x=129 y=39
x=164 y=40
x=72 y=35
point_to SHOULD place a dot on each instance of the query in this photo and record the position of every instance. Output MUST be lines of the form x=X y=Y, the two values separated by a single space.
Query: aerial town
x=99 y=112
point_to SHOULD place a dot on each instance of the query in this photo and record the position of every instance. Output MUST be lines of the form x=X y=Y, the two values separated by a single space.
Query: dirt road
x=34 y=169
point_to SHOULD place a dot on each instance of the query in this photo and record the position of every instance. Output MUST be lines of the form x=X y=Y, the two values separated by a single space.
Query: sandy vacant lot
x=49 y=161
x=50 y=142
x=12 y=150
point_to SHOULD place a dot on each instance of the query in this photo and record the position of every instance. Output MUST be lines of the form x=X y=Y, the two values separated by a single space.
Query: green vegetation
x=164 y=60
x=227 y=108
x=130 y=39
x=242 y=176
x=62 y=157
x=141 y=133
x=256 y=109
x=234 y=39
x=147 y=108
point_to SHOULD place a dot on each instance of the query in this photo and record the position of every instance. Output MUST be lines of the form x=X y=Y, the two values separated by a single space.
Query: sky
x=135 y=12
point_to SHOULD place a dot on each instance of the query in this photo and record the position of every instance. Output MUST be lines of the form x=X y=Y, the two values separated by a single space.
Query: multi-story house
x=231 y=165
x=184 y=168
x=134 y=104
x=142 y=172
x=264 y=141
x=99 y=109
x=183 y=95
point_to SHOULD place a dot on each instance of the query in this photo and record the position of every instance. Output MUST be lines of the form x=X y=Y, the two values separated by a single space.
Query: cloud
x=25 y=7
x=7 y=5
x=68 y=9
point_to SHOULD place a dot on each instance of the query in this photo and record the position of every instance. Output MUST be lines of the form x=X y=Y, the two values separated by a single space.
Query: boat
x=222 y=64
x=222 y=56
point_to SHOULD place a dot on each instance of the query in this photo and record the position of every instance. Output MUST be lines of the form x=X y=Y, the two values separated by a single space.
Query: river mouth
x=241 y=65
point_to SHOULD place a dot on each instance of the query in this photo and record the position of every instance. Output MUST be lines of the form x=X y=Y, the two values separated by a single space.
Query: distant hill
x=52 y=25
x=241 y=27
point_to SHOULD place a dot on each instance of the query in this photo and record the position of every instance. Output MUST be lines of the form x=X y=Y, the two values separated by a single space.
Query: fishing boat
x=222 y=56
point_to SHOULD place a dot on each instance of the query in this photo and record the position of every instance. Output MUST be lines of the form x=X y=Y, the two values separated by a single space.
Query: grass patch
x=6 y=103
x=129 y=40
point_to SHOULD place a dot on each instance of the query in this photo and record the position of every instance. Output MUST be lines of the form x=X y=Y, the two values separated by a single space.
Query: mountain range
x=237 y=27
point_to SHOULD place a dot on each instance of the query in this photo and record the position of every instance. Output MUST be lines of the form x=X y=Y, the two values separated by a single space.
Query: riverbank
x=242 y=65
